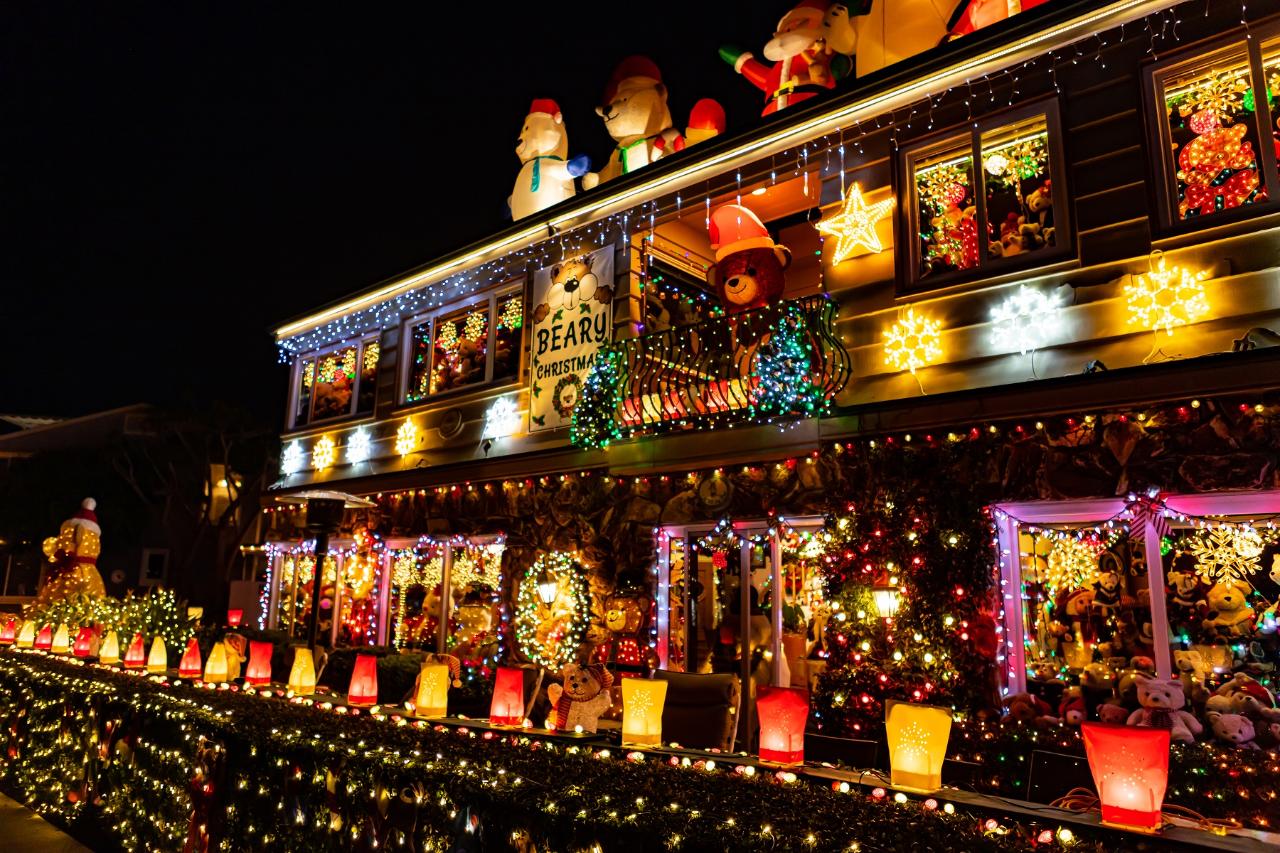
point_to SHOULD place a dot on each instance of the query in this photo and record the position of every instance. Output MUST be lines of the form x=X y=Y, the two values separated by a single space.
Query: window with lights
x=982 y=200
x=336 y=382
x=465 y=346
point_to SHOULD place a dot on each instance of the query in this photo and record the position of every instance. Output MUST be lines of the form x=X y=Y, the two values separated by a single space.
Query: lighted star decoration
x=855 y=224
x=1024 y=320
x=406 y=437
x=912 y=342
x=1166 y=298
x=291 y=461
x=323 y=453
x=1226 y=553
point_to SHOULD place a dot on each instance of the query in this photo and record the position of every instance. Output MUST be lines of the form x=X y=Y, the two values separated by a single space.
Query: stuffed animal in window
x=546 y=177
x=1234 y=729
x=1162 y=701
x=1229 y=612
x=808 y=52
x=636 y=115
x=581 y=700
x=749 y=270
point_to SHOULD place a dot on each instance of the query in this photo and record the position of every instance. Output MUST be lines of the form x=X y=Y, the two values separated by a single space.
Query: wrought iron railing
x=704 y=374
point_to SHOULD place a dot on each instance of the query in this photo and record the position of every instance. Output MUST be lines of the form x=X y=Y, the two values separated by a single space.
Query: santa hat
x=455 y=666
x=641 y=69
x=707 y=114
x=544 y=105
x=735 y=228
x=809 y=9
x=85 y=517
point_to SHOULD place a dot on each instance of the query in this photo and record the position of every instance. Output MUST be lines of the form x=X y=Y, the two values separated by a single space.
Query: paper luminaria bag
x=431 y=697
x=1130 y=767
x=110 y=651
x=27 y=636
x=216 y=669
x=158 y=658
x=9 y=633
x=642 y=702
x=61 y=640
x=507 y=707
x=302 y=675
x=783 y=712
x=259 y=669
x=363 y=690
x=191 y=666
x=44 y=639
x=136 y=656
x=918 y=736
x=86 y=639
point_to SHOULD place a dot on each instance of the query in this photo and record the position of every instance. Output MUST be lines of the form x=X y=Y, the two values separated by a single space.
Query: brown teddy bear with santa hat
x=749 y=270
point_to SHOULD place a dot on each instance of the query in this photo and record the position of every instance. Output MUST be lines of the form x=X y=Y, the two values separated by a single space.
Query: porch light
x=918 y=737
x=1130 y=767
x=887 y=598
x=548 y=587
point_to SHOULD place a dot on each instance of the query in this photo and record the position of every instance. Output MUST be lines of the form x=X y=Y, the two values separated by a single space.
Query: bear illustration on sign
x=572 y=285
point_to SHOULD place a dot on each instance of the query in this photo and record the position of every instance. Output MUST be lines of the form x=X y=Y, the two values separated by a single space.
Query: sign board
x=572 y=318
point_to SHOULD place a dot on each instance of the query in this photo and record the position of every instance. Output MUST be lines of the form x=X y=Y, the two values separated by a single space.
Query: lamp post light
x=324 y=515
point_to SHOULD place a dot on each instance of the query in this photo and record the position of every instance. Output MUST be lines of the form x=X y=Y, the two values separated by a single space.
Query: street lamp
x=324 y=515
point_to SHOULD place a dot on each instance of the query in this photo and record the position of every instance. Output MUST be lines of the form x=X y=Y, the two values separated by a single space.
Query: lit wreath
x=529 y=609
x=557 y=400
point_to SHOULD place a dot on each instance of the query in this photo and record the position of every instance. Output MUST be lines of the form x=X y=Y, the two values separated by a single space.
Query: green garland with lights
x=594 y=418
x=148 y=764
x=529 y=610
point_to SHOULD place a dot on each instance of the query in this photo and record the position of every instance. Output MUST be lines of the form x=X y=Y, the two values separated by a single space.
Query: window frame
x=492 y=296
x=295 y=382
x=906 y=234
x=1163 y=166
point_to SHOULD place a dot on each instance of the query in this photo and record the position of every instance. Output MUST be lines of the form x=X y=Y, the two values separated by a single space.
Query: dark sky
x=177 y=178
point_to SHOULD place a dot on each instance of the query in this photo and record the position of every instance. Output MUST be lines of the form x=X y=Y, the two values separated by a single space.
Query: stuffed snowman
x=545 y=178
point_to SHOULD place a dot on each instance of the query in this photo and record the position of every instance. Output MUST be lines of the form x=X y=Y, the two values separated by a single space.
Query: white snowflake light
x=502 y=418
x=291 y=461
x=1025 y=320
x=358 y=446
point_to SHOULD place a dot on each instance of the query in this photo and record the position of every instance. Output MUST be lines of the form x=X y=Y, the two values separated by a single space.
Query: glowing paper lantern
x=27 y=636
x=235 y=617
x=1130 y=767
x=61 y=643
x=136 y=656
x=190 y=666
x=642 y=703
x=216 y=668
x=432 y=696
x=84 y=643
x=259 y=669
x=507 y=708
x=782 y=712
x=110 y=651
x=918 y=737
x=45 y=638
x=364 y=681
x=158 y=659
x=302 y=675
x=9 y=633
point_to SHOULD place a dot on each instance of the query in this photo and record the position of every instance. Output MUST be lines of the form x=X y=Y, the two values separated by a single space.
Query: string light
x=323 y=453
x=291 y=459
x=1026 y=320
x=406 y=437
x=359 y=446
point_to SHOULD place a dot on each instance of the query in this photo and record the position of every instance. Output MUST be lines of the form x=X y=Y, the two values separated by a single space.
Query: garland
x=554 y=650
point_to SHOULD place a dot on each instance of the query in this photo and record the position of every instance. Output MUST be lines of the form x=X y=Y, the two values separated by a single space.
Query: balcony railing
x=704 y=374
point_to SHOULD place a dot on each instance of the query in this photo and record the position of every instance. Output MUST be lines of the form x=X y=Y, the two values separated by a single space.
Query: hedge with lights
x=159 y=612
x=148 y=765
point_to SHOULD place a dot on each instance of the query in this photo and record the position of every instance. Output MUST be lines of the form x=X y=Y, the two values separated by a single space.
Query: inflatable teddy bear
x=1162 y=701
x=73 y=554
x=1234 y=729
x=636 y=115
x=581 y=700
x=1229 y=612
x=749 y=270
x=546 y=177
x=810 y=50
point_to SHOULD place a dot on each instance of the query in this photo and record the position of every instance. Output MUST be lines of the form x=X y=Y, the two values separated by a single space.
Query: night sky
x=177 y=178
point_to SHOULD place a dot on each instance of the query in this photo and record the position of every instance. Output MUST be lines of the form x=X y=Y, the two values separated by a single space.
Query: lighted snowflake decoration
x=477 y=323
x=371 y=353
x=1025 y=320
x=1166 y=298
x=359 y=446
x=912 y=342
x=1226 y=553
x=322 y=455
x=447 y=336
x=406 y=437
x=1073 y=564
x=502 y=418
x=291 y=461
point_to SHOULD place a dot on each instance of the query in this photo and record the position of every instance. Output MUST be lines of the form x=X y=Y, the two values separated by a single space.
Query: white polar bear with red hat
x=636 y=115
x=545 y=178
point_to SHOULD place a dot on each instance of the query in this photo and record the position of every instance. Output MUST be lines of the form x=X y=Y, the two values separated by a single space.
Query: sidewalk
x=23 y=829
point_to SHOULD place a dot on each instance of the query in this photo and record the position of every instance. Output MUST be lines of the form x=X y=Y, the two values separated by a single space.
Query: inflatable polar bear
x=545 y=178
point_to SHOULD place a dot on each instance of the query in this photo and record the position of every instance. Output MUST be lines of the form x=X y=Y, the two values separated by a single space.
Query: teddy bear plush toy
x=749 y=270
x=1192 y=671
x=1106 y=595
x=1234 y=729
x=1072 y=710
x=582 y=698
x=1184 y=591
x=1229 y=612
x=1025 y=708
x=1040 y=211
x=1162 y=701
x=636 y=115
x=1244 y=694
x=546 y=177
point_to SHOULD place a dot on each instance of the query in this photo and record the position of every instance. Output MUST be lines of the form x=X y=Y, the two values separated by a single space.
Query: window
x=981 y=198
x=468 y=346
x=1216 y=134
x=155 y=567
x=336 y=383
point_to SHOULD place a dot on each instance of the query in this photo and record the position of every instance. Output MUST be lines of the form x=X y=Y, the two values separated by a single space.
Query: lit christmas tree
x=594 y=418
x=783 y=369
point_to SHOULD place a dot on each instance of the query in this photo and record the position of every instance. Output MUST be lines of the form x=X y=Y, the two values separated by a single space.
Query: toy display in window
x=461 y=340
x=506 y=339
x=334 y=384
x=1019 y=191
x=948 y=218
x=368 y=376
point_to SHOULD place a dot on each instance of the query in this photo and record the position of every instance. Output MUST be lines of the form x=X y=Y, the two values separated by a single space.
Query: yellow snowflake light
x=477 y=323
x=322 y=455
x=1166 y=297
x=406 y=437
x=371 y=353
x=855 y=224
x=447 y=336
x=1073 y=564
x=912 y=342
x=1226 y=553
